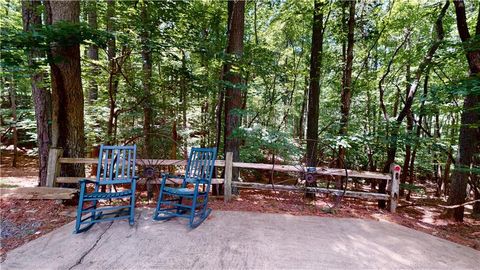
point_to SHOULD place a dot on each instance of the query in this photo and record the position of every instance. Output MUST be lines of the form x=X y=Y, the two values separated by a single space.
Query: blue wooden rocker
x=198 y=172
x=116 y=166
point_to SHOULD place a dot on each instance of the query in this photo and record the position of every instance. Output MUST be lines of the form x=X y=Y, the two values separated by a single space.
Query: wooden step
x=38 y=193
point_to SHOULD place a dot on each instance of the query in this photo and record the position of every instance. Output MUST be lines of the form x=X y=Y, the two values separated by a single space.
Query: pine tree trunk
x=233 y=93
x=67 y=93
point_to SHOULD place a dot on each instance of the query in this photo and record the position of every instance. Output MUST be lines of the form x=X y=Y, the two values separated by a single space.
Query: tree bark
x=437 y=174
x=67 y=93
x=408 y=146
x=469 y=130
x=316 y=56
x=147 y=77
x=41 y=94
x=301 y=121
x=113 y=78
x=233 y=93
x=93 y=51
x=13 y=107
x=346 y=95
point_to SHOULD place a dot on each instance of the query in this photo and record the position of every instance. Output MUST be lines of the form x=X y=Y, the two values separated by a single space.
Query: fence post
x=227 y=185
x=394 y=186
x=53 y=166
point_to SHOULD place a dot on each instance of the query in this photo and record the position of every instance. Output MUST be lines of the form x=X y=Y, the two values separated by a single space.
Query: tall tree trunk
x=41 y=94
x=13 y=107
x=92 y=51
x=411 y=176
x=233 y=93
x=67 y=93
x=113 y=78
x=469 y=130
x=427 y=60
x=408 y=146
x=346 y=87
x=301 y=129
x=316 y=56
x=183 y=96
x=218 y=114
x=436 y=163
x=147 y=77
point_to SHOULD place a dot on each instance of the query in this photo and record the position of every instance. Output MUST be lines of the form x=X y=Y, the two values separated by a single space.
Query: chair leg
x=179 y=210
x=194 y=205
x=158 y=209
x=202 y=214
x=132 y=210
x=79 y=214
x=94 y=213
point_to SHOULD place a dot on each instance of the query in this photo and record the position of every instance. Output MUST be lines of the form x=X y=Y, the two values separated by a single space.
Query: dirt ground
x=25 y=220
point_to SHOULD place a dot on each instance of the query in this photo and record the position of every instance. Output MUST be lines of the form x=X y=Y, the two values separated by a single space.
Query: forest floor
x=24 y=220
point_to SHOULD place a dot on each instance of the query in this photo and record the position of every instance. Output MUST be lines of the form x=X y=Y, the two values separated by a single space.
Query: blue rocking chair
x=199 y=175
x=116 y=166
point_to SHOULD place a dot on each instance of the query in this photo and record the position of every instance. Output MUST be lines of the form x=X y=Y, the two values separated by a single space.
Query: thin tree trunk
x=112 y=79
x=448 y=163
x=184 y=95
x=411 y=176
x=147 y=77
x=408 y=146
x=93 y=51
x=41 y=95
x=218 y=114
x=301 y=129
x=13 y=107
x=346 y=88
x=436 y=163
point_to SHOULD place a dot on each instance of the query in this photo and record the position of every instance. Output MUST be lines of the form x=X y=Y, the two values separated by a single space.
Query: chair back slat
x=116 y=163
x=200 y=163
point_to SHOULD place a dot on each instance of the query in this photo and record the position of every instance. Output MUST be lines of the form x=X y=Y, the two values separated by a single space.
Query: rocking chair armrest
x=115 y=182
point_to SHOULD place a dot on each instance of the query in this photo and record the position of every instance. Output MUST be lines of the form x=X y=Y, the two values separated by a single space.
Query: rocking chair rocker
x=199 y=174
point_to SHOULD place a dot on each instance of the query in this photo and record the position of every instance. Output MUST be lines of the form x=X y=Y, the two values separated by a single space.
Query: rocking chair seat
x=180 y=191
x=108 y=195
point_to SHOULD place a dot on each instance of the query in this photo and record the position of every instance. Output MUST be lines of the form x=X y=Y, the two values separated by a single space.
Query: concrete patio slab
x=242 y=240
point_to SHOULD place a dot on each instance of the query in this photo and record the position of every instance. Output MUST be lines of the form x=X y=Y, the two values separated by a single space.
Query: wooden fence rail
x=392 y=178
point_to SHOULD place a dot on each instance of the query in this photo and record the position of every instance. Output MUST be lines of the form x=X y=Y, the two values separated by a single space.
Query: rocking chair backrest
x=116 y=163
x=200 y=163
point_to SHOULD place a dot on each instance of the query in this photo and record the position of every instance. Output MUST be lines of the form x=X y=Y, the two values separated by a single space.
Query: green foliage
x=187 y=41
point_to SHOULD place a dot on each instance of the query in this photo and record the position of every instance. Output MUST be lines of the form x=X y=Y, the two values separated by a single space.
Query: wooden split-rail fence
x=55 y=161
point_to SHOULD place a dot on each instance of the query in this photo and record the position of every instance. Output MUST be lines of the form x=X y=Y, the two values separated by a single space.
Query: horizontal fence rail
x=243 y=165
x=55 y=161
